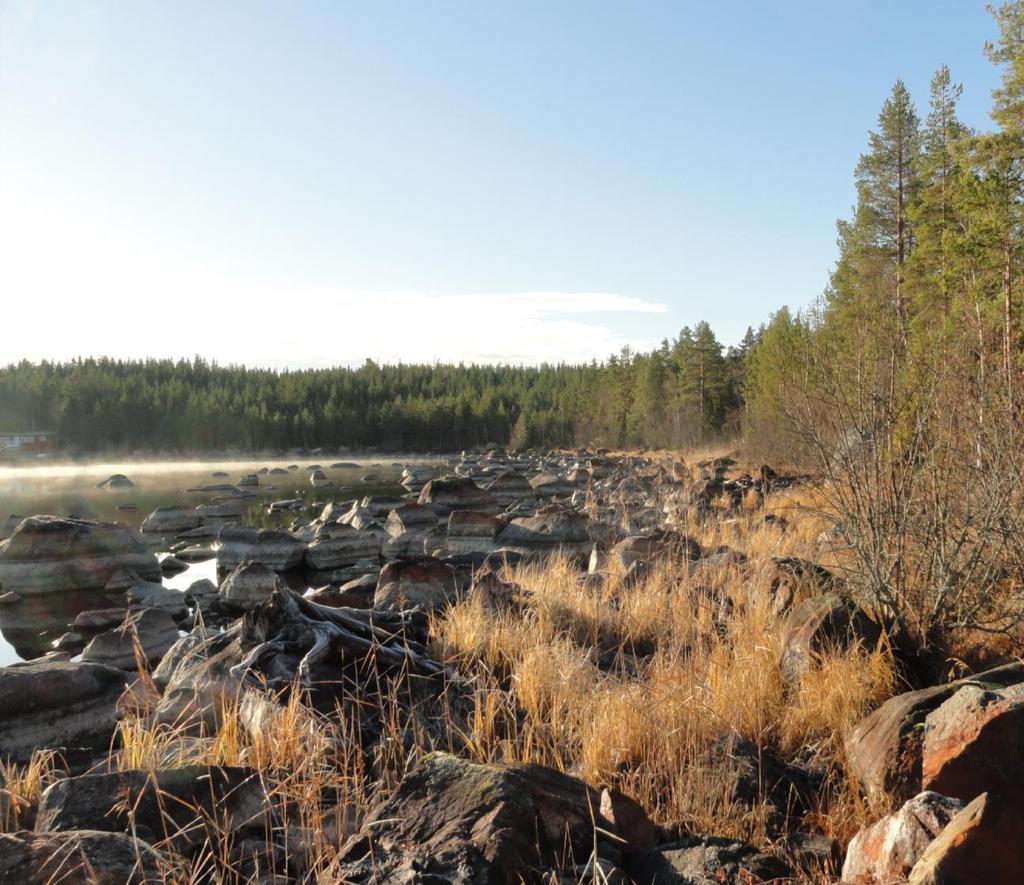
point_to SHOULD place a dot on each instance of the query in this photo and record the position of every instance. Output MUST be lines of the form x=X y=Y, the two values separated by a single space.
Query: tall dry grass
x=631 y=685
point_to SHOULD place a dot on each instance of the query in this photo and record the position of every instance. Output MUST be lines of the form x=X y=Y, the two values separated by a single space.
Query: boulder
x=982 y=843
x=425 y=583
x=818 y=624
x=511 y=488
x=80 y=857
x=51 y=554
x=173 y=519
x=884 y=749
x=249 y=585
x=551 y=485
x=470 y=531
x=357 y=593
x=553 y=528
x=154 y=631
x=456 y=493
x=886 y=851
x=148 y=594
x=782 y=578
x=195 y=677
x=335 y=545
x=116 y=482
x=172 y=565
x=974 y=742
x=411 y=518
x=176 y=804
x=705 y=860
x=196 y=553
x=57 y=703
x=279 y=551
x=457 y=822
x=96 y=620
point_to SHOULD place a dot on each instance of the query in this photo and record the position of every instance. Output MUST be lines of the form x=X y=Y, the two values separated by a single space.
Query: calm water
x=26 y=630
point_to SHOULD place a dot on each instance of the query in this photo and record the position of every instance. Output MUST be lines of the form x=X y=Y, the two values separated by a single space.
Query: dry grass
x=622 y=685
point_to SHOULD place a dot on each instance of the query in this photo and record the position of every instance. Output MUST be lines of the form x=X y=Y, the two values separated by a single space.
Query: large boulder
x=982 y=843
x=425 y=583
x=884 y=750
x=470 y=531
x=154 y=631
x=820 y=623
x=457 y=822
x=82 y=857
x=335 y=545
x=551 y=485
x=511 y=488
x=55 y=703
x=172 y=519
x=886 y=851
x=277 y=550
x=51 y=554
x=974 y=742
x=456 y=493
x=553 y=528
x=179 y=804
x=249 y=585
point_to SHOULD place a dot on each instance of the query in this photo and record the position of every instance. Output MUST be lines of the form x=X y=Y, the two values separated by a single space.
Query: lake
x=28 y=629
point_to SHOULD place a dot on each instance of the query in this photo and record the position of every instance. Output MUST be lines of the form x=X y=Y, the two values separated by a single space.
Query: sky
x=306 y=184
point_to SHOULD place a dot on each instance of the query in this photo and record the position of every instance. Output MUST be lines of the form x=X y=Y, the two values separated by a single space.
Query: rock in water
x=51 y=554
x=53 y=703
x=172 y=519
x=456 y=493
x=277 y=550
x=80 y=857
x=117 y=482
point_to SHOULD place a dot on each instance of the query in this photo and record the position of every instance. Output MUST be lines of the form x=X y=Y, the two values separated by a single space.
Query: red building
x=30 y=444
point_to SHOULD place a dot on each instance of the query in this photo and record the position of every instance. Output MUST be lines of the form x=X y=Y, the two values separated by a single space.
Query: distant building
x=29 y=444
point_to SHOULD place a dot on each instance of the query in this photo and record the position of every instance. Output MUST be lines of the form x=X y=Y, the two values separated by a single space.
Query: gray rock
x=172 y=519
x=50 y=554
x=277 y=550
x=155 y=632
x=57 y=703
x=80 y=857
x=249 y=585
x=186 y=805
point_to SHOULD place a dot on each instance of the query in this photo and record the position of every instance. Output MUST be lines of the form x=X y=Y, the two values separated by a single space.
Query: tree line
x=687 y=391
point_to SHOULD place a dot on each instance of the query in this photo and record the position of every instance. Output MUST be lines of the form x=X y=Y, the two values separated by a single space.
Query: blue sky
x=312 y=183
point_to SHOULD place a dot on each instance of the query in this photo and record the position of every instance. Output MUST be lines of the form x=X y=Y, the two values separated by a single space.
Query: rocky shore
x=335 y=620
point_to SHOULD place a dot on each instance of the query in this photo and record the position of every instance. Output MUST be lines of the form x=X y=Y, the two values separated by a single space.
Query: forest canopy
x=687 y=391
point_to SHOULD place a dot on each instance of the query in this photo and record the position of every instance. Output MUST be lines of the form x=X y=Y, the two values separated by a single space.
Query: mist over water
x=28 y=629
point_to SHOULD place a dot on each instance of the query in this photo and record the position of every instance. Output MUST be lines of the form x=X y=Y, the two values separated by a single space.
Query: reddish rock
x=884 y=749
x=982 y=843
x=886 y=851
x=974 y=742
x=424 y=583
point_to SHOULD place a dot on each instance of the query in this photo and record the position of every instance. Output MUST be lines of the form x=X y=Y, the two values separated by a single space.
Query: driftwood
x=292 y=625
